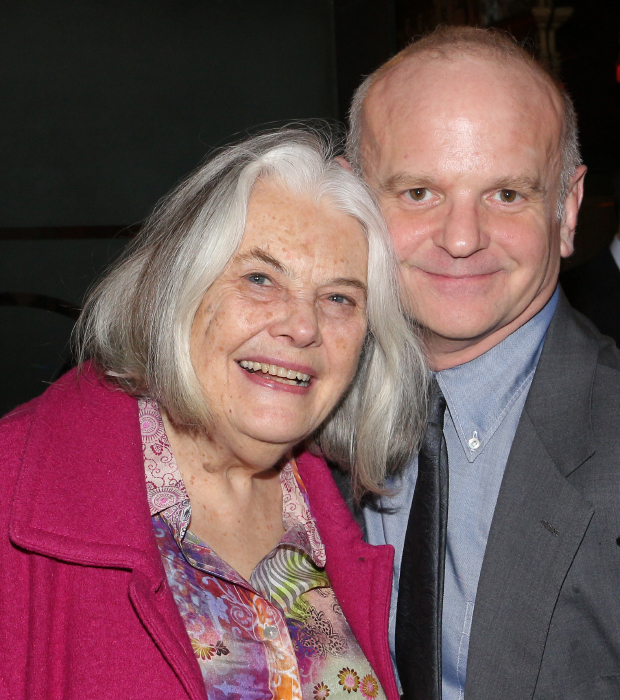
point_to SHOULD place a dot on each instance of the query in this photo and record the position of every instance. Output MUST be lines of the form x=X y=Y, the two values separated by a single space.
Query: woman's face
x=277 y=337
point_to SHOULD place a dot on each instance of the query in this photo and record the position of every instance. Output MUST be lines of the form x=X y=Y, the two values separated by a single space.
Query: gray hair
x=137 y=322
x=448 y=42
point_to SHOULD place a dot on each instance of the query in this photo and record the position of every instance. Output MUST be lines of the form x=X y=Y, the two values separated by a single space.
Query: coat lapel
x=81 y=498
x=159 y=614
x=539 y=520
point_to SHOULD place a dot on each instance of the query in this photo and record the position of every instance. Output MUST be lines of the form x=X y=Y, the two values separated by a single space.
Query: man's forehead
x=421 y=84
x=461 y=110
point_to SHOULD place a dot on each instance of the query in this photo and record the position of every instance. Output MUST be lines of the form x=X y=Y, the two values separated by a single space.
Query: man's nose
x=462 y=233
x=298 y=321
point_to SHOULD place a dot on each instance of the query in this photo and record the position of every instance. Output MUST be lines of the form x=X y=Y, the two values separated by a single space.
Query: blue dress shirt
x=484 y=399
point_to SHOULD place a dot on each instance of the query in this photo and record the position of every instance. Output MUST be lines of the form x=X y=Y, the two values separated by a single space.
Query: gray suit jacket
x=546 y=623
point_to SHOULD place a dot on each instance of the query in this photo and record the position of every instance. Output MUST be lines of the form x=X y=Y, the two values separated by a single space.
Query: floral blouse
x=279 y=635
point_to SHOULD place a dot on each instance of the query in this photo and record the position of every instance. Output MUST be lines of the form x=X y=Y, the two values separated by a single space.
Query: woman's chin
x=264 y=441
x=277 y=440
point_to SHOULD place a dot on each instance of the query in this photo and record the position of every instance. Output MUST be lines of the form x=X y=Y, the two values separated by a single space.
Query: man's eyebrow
x=522 y=183
x=259 y=254
x=395 y=184
x=402 y=182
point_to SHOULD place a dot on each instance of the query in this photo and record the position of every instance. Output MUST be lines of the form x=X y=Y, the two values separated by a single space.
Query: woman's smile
x=278 y=373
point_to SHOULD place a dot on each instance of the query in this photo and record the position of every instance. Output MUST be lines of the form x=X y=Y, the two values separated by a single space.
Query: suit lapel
x=539 y=520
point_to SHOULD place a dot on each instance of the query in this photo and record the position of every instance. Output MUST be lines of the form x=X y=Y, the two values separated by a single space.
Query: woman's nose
x=298 y=321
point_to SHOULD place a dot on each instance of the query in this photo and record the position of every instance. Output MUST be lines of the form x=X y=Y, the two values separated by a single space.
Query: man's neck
x=445 y=353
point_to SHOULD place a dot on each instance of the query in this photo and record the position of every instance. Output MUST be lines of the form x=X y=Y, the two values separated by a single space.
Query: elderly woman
x=166 y=535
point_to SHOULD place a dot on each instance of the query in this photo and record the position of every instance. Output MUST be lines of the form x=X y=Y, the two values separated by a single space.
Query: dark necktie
x=420 y=592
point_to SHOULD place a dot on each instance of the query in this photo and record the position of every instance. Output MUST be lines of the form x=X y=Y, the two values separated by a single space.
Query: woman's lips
x=278 y=383
x=275 y=370
x=282 y=377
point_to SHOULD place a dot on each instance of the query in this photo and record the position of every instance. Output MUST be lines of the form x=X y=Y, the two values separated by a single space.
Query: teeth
x=290 y=376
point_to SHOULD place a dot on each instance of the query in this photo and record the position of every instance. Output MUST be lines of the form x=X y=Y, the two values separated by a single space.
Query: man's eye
x=257 y=278
x=508 y=196
x=418 y=194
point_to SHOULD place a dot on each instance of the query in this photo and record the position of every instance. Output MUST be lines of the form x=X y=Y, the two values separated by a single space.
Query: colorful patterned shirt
x=279 y=635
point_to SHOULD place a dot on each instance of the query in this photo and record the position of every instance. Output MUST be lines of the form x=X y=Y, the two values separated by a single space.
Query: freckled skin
x=291 y=318
x=303 y=314
x=442 y=141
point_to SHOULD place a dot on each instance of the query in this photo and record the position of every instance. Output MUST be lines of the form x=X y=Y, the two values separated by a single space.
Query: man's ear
x=344 y=162
x=571 y=209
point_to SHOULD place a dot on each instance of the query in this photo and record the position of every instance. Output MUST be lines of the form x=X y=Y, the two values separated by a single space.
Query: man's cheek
x=405 y=238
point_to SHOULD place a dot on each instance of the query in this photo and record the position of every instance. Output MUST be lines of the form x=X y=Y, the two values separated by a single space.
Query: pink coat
x=85 y=607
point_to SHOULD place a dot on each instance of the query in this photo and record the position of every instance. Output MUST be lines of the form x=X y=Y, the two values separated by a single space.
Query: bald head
x=464 y=152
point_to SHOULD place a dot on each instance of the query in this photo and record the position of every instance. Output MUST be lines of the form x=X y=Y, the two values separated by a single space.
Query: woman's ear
x=344 y=162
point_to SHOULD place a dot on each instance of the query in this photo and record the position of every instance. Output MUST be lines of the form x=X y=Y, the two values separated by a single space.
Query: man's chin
x=462 y=325
x=460 y=334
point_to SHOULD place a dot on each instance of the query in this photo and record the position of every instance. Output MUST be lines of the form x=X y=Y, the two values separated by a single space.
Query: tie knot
x=436 y=404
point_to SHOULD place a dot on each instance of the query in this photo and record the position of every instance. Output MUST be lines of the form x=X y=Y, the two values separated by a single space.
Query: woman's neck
x=236 y=506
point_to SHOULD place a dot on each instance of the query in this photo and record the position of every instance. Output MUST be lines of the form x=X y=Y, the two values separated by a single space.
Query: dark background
x=106 y=104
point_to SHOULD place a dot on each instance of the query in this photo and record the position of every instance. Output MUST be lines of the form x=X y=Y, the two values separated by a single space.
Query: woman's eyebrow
x=349 y=282
x=259 y=254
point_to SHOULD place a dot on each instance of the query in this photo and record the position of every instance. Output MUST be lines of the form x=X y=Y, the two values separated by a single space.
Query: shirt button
x=474 y=442
x=270 y=632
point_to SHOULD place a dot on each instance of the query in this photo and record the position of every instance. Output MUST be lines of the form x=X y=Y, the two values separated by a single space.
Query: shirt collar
x=166 y=490
x=480 y=393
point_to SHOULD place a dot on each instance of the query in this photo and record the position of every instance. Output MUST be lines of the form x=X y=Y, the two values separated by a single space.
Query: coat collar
x=81 y=495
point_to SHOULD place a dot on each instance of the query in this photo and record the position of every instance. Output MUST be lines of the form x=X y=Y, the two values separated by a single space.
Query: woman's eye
x=508 y=196
x=340 y=299
x=257 y=278
x=418 y=194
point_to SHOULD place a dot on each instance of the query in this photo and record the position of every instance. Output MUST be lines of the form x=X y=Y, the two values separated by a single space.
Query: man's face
x=464 y=157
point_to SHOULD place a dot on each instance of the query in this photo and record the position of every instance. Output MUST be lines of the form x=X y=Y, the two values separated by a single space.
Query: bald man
x=472 y=150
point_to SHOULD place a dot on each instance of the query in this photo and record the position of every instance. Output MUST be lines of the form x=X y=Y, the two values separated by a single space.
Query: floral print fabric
x=279 y=635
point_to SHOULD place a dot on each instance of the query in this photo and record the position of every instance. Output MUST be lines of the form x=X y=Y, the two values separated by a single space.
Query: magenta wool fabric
x=85 y=606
